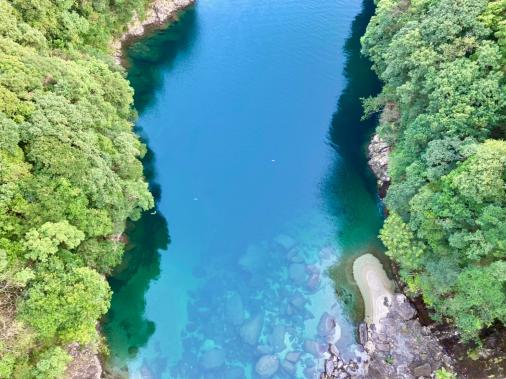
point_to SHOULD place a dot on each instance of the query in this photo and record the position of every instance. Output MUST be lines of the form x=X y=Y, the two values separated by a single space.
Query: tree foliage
x=70 y=175
x=442 y=62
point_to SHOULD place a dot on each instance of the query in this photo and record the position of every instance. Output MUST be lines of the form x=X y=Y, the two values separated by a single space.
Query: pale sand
x=374 y=286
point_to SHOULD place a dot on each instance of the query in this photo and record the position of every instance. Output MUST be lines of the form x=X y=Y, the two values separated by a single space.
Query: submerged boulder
x=234 y=309
x=298 y=301
x=292 y=356
x=267 y=366
x=252 y=259
x=286 y=242
x=212 y=359
x=251 y=330
x=313 y=282
x=277 y=338
x=326 y=326
x=297 y=273
x=313 y=347
x=234 y=373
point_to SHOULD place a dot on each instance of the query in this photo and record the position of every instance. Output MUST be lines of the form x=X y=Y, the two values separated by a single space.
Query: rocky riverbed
x=279 y=330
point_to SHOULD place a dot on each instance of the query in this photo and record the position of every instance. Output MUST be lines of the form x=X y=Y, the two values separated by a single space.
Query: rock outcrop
x=84 y=365
x=399 y=348
x=378 y=155
x=403 y=348
x=395 y=344
x=159 y=13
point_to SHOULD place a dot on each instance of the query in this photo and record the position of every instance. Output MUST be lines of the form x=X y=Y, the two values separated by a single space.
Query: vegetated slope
x=442 y=64
x=70 y=176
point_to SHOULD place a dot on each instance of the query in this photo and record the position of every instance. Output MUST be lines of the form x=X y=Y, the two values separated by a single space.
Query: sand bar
x=374 y=286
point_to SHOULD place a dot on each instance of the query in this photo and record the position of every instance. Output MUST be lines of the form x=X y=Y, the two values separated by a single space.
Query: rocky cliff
x=379 y=151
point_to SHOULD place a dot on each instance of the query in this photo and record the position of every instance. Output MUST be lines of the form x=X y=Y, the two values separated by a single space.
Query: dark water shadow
x=126 y=327
x=350 y=187
x=148 y=58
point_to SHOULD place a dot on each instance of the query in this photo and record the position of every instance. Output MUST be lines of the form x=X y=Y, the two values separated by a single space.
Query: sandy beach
x=374 y=286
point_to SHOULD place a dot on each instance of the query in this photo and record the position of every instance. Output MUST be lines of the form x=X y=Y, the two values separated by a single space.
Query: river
x=256 y=156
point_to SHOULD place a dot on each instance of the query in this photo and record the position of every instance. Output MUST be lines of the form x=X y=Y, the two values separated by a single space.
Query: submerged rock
x=234 y=309
x=298 y=301
x=252 y=259
x=312 y=347
x=327 y=252
x=326 y=326
x=285 y=241
x=251 y=330
x=313 y=282
x=297 y=273
x=292 y=356
x=277 y=338
x=267 y=366
x=265 y=349
x=212 y=359
x=234 y=373
x=288 y=367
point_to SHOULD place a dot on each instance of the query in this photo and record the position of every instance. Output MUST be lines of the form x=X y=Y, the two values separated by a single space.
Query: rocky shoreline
x=159 y=14
x=396 y=345
x=398 y=348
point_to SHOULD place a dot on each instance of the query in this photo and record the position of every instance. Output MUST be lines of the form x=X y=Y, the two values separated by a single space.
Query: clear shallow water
x=251 y=113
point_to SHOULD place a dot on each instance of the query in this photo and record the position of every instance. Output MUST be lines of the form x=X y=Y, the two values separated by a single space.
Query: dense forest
x=443 y=64
x=70 y=176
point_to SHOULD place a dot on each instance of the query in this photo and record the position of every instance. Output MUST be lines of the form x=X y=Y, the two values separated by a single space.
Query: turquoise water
x=251 y=114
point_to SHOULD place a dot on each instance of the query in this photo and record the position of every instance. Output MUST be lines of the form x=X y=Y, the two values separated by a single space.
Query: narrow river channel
x=250 y=110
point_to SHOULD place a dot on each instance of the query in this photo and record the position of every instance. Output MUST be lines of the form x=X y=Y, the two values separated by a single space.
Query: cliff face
x=379 y=151
x=159 y=14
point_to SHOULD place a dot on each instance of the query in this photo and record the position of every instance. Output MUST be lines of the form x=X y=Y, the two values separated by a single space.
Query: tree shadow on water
x=148 y=58
x=125 y=326
x=349 y=189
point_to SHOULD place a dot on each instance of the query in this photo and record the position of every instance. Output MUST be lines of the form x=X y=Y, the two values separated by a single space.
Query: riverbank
x=159 y=14
x=86 y=363
x=395 y=344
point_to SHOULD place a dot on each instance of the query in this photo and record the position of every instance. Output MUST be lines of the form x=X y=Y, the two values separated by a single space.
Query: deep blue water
x=251 y=114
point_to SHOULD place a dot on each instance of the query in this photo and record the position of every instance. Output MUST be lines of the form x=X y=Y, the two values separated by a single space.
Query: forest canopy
x=70 y=176
x=443 y=65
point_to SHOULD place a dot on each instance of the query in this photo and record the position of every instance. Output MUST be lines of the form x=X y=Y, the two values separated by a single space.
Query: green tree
x=65 y=307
